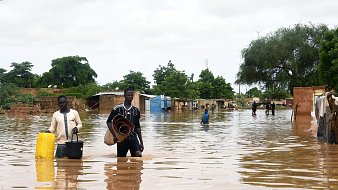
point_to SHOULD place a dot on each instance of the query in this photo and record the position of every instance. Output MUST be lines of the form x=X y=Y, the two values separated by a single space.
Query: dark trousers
x=320 y=131
x=61 y=151
x=130 y=143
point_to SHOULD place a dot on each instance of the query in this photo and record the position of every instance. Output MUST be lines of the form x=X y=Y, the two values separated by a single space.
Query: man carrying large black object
x=120 y=126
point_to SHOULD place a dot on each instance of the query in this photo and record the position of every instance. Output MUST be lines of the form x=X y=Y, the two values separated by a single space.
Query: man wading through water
x=134 y=141
x=65 y=122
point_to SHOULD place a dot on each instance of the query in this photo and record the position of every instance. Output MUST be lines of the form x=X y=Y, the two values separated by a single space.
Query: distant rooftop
x=117 y=93
x=121 y=93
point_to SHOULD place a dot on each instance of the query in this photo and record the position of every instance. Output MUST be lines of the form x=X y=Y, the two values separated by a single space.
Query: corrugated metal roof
x=117 y=93
x=148 y=95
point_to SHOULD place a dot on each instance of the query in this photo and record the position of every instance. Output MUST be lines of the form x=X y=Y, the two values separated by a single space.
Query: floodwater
x=235 y=151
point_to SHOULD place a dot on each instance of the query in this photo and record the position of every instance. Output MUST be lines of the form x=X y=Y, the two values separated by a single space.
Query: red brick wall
x=32 y=91
x=303 y=96
x=108 y=102
x=24 y=109
x=35 y=91
x=49 y=104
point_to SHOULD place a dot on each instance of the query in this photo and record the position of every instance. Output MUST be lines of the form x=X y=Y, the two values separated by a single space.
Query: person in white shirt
x=65 y=123
x=319 y=117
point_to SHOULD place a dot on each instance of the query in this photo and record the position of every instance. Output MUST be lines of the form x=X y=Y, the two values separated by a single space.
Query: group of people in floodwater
x=66 y=122
x=268 y=106
x=326 y=107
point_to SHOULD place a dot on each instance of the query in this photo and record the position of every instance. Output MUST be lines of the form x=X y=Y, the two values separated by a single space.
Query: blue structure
x=160 y=103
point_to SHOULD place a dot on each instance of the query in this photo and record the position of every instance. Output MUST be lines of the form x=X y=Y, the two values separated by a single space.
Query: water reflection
x=67 y=172
x=124 y=174
x=44 y=170
x=290 y=160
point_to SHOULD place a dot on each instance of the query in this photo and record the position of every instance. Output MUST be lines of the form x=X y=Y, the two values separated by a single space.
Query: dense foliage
x=135 y=80
x=8 y=91
x=20 y=75
x=2 y=75
x=328 y=66
x=68 y=72
x=172 y=82
x=284 y=59
x=84 y=91
x=211 y=87
x=275 y=93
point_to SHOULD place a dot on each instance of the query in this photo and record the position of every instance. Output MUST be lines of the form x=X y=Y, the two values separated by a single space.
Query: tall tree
x=162 y=72
x=210 y=87
x=328 y=66
x=160 y=75
x=254 y=92
x=206 y=76
x=177 y=85
x=21 y=74
x=205 y=84
x=284 y=59
x=222 y=89
x=68 y=71
x=136 y=80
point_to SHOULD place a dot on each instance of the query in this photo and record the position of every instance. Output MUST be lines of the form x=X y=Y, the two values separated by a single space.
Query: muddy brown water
x=235 y=151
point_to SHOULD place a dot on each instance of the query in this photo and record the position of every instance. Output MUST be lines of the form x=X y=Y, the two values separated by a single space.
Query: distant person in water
x=273 y=107
x=267 y=108
x=213 y=108
x=205 y=117
x=254 y=108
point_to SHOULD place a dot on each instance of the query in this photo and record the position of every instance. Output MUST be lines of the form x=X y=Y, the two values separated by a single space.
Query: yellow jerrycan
x=45 y=146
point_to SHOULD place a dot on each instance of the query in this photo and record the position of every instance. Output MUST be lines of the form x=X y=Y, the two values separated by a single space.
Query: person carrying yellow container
x=65 y=122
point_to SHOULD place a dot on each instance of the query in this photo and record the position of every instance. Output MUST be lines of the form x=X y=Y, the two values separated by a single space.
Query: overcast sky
x=117 y=36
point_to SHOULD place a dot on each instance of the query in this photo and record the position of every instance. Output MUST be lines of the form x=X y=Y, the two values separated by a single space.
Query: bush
x=77 y=95
x=43 y=92
x=7 y=94
x=25 y=98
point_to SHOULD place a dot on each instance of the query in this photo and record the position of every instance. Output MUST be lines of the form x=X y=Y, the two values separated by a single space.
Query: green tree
x=162 y=72
x=21 y=75
x=205 y=84
x=276 y=93
x=206 y=76
x=178 y=85
x=284 y=59
x=84 y=91
x=136 y=80
x=222 y=89
x=7 y=94
x=210 y=87
x=205 y=89
x=116 y=85
x=160 y=75
x=47 y=79
x=67 y=72
x=328 y=66
x=254 y=92
x=2 y=75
